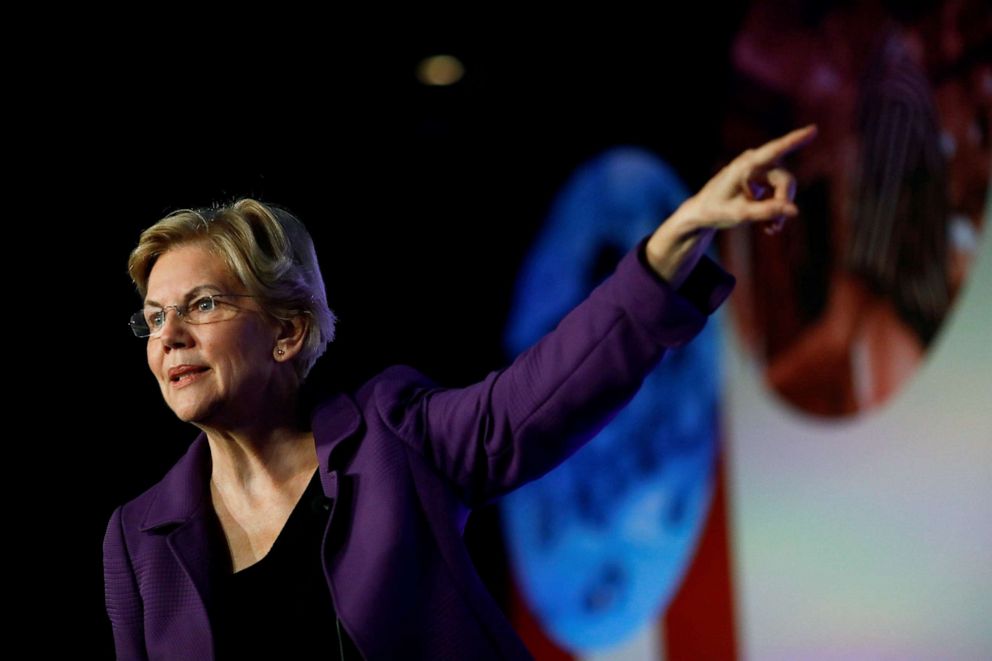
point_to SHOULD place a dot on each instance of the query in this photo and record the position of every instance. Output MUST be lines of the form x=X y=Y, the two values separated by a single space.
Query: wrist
x=674 y=248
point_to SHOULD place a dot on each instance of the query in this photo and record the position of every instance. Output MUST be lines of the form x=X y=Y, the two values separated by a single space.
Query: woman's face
x=232 y=360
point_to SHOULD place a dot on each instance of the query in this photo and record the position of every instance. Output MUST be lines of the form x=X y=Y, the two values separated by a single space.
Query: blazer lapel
x=182 y=512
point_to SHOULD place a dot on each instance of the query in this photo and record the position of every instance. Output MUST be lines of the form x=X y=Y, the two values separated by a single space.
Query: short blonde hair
x=267 y=249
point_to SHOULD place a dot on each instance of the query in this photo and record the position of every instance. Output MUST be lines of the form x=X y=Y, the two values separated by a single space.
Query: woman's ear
x=291 y=335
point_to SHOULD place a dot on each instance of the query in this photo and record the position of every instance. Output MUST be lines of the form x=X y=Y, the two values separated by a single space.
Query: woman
x=228 y=555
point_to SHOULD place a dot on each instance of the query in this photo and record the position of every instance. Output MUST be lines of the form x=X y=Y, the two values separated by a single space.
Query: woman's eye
x=205 y=304
x=155 y=319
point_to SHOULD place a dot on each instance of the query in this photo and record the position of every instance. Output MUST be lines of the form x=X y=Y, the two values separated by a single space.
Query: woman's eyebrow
x=191 y=293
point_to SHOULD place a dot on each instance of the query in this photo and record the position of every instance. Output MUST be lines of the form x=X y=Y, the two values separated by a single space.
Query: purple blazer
x=405 y=461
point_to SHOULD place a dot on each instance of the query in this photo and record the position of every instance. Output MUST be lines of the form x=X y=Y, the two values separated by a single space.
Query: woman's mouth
x=183 y=377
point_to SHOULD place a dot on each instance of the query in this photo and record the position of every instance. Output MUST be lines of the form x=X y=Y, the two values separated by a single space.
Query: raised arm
x=521 y=421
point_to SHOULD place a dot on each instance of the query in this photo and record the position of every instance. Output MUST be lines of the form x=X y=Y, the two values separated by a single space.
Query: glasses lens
x=203 y=310
x=138 y=324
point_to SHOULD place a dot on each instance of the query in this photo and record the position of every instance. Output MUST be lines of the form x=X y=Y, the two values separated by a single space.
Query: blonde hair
x=267 y=249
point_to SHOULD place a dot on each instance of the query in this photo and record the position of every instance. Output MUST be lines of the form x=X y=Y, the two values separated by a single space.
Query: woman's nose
x=175 y=331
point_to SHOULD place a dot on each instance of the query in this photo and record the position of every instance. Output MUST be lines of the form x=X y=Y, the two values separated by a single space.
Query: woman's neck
x=261 y=454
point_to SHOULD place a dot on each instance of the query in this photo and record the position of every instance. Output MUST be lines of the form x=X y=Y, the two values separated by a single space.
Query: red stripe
x=699 y=623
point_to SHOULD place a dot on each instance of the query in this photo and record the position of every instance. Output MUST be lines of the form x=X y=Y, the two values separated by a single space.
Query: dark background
x=421 y=201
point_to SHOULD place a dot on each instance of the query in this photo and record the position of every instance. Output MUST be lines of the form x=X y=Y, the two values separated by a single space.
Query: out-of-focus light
x=440 y=70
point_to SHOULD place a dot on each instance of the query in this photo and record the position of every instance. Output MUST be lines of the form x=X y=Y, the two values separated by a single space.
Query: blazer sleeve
x=521 y=421
x=124 y=605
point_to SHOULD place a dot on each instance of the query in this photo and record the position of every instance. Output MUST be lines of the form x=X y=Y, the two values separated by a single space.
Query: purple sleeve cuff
x=707 y=286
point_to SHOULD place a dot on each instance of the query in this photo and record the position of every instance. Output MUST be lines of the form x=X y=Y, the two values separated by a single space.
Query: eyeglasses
x=149 y=322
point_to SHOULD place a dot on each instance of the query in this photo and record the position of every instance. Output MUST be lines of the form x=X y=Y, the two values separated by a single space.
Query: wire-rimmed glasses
x=206 y=309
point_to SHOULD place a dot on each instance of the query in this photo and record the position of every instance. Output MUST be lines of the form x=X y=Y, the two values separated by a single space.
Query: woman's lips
x=186 y=377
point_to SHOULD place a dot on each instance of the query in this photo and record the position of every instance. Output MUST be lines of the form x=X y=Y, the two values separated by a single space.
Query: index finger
x=770 y=152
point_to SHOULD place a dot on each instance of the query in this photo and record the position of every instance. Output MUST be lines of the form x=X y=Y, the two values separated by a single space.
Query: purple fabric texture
x=405 y=461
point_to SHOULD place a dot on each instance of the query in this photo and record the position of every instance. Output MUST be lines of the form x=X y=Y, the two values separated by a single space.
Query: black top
x=280 y=607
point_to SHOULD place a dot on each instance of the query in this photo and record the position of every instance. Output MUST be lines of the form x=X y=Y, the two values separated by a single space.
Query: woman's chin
x=197 y=415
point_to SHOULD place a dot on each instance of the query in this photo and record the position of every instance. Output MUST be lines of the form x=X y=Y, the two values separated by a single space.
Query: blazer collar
x=334 y=420
x=186 y=487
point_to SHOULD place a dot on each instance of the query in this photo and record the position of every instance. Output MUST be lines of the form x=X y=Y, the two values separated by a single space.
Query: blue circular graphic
x=600 y=544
